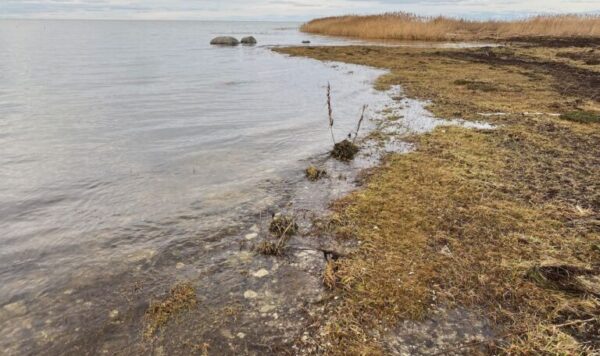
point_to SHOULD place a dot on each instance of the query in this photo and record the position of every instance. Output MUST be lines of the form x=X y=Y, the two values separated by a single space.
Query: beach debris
x=250 y=40
x=314 y=174
x=225 y=41
x=344 y=151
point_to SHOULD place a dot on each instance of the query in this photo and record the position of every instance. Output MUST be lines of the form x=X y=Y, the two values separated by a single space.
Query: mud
x=588 y=56
x=569 y=80
x=555 y=42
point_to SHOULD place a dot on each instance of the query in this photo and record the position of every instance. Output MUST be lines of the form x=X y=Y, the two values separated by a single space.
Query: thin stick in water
x=330 y=111
x=362 y=116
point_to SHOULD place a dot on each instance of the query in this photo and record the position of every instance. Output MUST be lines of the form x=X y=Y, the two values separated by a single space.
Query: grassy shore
x=403 y=26
x=504 y=223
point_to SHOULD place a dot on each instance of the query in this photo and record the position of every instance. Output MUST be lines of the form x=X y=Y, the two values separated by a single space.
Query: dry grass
x=403 y=26
x=500 y=222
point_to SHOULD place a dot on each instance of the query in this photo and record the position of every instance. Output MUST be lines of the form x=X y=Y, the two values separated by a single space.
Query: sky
x=296 y=10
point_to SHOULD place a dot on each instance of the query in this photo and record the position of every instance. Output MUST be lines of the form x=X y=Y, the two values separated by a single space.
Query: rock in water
x=305 y=41
x=225 y=41
x=249 y=40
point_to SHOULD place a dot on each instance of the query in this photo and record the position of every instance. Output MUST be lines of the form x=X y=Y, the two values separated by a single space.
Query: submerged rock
x=249 y=40
x=225 y=41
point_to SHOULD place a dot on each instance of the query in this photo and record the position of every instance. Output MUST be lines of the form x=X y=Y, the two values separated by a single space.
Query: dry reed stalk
x=362 y=116
x=330 y=111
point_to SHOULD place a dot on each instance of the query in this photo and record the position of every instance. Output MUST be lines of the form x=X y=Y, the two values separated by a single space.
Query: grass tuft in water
x=182 y=296
x=344 y=151
x=314 y=174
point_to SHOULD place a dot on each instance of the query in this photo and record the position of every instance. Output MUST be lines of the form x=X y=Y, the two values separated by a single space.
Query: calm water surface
x=119 y=138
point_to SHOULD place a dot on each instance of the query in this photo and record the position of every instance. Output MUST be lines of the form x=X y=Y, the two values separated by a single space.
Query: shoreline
x=472 y=216
x=402 y=220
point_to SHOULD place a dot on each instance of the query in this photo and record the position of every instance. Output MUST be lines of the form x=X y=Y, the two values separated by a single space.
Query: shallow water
x=134 y=154
x=122 y=138
x=116 y=130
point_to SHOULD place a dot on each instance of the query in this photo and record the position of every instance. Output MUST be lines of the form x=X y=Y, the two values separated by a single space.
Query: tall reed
x=405 y=26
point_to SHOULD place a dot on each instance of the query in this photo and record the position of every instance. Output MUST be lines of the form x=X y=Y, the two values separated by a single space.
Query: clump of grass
x=182 y=296
x=582 y=116
x=314 y=174
x=270 y=248
x=283 y=225
x=329 y=277
x=409 y=27
x=344 y=150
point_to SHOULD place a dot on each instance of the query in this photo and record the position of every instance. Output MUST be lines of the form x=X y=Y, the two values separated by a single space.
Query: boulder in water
x=225 y=41
x=249 y=40
x=306 y=41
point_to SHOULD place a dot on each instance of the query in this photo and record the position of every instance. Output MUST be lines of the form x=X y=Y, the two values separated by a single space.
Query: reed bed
x=405 y=26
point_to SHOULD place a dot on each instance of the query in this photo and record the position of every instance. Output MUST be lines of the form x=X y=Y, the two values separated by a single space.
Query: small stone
x=113 y=314
x=261 y=273
x=179 y=265
x=16 y=308
x=446 y=251
x=266 y=308
x=226 y=333
x=250 y=294
x=251 y=236
x=241 y=335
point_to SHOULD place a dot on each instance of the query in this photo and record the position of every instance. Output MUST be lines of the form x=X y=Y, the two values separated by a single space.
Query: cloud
x=280 y=9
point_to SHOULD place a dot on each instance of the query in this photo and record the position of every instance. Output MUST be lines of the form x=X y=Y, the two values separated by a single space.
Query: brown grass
x=182 y=296
x=503 y=222
x=403 y=26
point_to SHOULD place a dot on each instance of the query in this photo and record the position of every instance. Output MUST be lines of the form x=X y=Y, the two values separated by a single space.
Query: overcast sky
x=281 y=9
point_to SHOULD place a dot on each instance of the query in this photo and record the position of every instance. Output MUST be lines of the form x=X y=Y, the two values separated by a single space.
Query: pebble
x=241 y=335
x=266 y=308
x=16 y=308
x=251 y=236
x=226 y=333
x=250 y=294
x=179 y=265
x=113 y=314
x=261 y=273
